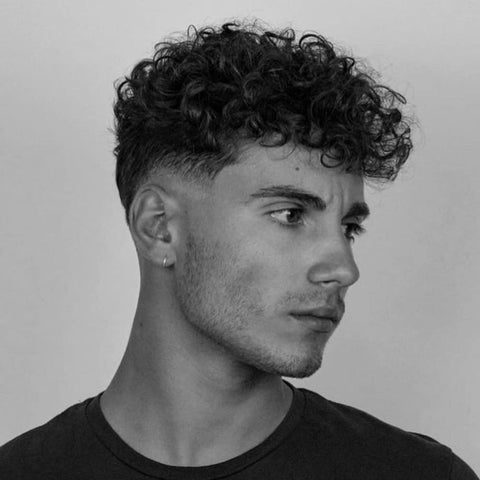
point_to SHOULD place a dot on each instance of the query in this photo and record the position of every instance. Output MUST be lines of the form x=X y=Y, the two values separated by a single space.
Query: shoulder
x=47 y=444
x=375 y=442
x=353 y=422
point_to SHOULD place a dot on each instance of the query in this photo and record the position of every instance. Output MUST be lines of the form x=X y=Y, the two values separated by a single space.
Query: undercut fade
x=186 y=108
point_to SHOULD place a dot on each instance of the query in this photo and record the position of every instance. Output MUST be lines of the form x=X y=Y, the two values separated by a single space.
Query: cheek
x=254 y=284
x=247 y=297
x=242 y=280
x=246 y=264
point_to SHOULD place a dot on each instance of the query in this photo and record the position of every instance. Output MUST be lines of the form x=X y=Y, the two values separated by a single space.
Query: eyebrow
x=357 y=209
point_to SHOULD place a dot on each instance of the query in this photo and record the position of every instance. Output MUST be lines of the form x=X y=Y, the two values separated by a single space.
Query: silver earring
x=164 y=264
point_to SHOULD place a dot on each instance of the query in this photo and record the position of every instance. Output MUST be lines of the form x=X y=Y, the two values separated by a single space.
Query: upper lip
x=321 y=312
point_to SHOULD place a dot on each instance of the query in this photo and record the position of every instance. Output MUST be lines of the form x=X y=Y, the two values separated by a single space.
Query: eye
x=353 y=230
x=289 y=217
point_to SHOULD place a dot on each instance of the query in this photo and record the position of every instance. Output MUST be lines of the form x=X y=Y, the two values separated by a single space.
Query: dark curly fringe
x=185 y=108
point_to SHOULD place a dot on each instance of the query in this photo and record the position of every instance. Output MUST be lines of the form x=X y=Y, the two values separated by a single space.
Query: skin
x=200 y=381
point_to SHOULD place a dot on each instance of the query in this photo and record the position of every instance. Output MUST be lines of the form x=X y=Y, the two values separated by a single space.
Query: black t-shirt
x=317 y=440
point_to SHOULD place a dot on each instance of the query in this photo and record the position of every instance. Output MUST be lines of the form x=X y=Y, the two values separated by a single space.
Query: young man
x=241 y=156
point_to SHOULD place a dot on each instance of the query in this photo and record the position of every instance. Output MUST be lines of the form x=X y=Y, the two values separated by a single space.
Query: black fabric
x=318 y=439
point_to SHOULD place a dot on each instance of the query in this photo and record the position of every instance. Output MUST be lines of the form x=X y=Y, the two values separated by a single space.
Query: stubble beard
x=223 y=306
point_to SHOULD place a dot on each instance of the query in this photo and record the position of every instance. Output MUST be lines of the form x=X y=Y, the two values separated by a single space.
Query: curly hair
x=185 y=108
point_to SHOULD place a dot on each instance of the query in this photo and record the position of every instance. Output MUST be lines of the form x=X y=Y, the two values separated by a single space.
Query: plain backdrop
x=408 y=348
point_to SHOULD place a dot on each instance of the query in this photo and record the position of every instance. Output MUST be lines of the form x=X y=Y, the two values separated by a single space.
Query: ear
x=151 y=224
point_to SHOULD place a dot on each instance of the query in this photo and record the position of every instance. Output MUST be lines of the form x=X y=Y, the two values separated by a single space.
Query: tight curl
x=185 y=108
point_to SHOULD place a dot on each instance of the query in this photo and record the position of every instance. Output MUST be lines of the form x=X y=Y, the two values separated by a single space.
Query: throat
x=171 y=432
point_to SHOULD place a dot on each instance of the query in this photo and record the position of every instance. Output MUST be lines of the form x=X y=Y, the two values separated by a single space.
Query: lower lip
x=319 y=324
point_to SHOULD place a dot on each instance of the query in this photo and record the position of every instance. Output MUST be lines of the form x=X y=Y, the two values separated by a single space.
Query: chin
x=304 y=370
x=289 y=364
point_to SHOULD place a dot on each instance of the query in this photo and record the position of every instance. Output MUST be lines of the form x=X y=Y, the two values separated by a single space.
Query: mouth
x=317 y=323
x=322 y=319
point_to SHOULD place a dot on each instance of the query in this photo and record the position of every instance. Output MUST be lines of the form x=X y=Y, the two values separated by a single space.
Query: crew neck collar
x=126 y=454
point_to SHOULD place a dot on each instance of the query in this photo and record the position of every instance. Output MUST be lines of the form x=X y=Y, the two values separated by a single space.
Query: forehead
x=259 y=167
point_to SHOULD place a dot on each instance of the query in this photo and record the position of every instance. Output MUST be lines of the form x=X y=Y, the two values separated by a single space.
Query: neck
x=185 y=403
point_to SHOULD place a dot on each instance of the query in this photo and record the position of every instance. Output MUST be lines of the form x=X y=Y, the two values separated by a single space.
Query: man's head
x=241 y=156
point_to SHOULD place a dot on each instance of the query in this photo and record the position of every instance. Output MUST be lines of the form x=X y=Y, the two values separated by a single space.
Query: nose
x=333 y=264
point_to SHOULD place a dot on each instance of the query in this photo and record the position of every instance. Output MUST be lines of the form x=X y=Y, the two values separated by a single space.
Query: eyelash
x=353 y=229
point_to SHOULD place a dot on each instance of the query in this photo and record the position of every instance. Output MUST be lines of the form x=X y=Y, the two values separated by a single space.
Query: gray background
x=407 y=350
